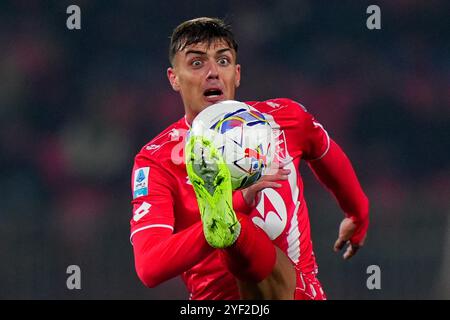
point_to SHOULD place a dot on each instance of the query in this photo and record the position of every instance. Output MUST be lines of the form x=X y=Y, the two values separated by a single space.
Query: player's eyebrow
x=193 y=51
x=223 y=50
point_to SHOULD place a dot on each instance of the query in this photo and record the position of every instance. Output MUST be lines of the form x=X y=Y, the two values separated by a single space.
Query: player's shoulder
x=160 y=147
x=277 y=105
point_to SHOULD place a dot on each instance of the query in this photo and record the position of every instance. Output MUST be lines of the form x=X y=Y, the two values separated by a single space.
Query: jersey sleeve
x=160 y=253
x=313 y=139
x=336 y=172
x=152 y=203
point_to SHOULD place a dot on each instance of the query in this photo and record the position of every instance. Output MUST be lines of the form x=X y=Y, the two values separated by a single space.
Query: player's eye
x=196 y=63
x=223 y=61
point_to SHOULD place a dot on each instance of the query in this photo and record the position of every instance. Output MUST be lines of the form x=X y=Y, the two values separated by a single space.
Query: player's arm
x=336 y=172
x=333 y=168
x=159 y=253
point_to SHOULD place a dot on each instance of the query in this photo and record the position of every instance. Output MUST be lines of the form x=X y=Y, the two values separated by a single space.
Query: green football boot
x=211 y=180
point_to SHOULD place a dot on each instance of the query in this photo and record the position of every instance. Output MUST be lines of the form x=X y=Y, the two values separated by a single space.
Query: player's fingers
x=270 y=184
x=265 y=184
x=351 y=251
x=280 y=174
x=274 y=177
x=284 y=171
x=339 y=244
x=346 y=230
x=281 y=177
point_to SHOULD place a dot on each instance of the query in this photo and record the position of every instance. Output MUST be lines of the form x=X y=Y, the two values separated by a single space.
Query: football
x=242 y=135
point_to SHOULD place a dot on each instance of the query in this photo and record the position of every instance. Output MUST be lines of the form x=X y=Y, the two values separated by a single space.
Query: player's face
x=204 y=75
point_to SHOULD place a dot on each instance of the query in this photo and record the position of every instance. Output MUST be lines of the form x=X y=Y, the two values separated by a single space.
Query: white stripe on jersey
x=292 y=178
x=328 y=141
x=293 y=238
x=150 y=226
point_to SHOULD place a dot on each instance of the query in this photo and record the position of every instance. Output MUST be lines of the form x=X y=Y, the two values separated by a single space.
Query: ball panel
x=243 y=136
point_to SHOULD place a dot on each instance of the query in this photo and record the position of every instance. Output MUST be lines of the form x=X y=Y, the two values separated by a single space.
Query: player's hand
x=251 y=194
x=346 y=231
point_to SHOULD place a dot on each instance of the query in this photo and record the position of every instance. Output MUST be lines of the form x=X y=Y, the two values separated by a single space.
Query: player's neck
x=189 y=116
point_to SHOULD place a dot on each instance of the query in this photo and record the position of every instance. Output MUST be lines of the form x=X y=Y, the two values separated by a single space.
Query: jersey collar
x=187 y=123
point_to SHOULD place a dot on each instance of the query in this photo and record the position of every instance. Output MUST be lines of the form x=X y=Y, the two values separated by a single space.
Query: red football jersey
x=164 y=198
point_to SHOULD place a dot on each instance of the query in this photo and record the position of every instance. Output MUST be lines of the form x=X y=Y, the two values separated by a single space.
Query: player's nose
x=213 y=71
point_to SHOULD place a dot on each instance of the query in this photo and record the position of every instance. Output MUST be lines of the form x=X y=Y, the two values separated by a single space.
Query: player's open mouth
x=213 y=95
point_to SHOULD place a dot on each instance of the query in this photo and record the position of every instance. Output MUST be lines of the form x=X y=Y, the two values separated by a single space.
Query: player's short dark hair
x=198 y=30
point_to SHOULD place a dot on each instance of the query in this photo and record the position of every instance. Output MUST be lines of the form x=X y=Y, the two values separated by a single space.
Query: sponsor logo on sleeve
x=141 y=211
x=273 y=104
x=140 y=185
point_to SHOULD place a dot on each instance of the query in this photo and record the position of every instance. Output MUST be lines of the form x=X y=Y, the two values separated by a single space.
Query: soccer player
x=253 y=243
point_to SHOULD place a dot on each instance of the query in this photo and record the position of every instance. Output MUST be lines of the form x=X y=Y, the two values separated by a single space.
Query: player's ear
x=237 y=80
x=173 y=79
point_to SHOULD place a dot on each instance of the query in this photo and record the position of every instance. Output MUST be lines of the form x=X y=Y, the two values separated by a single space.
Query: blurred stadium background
x=76 y=106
